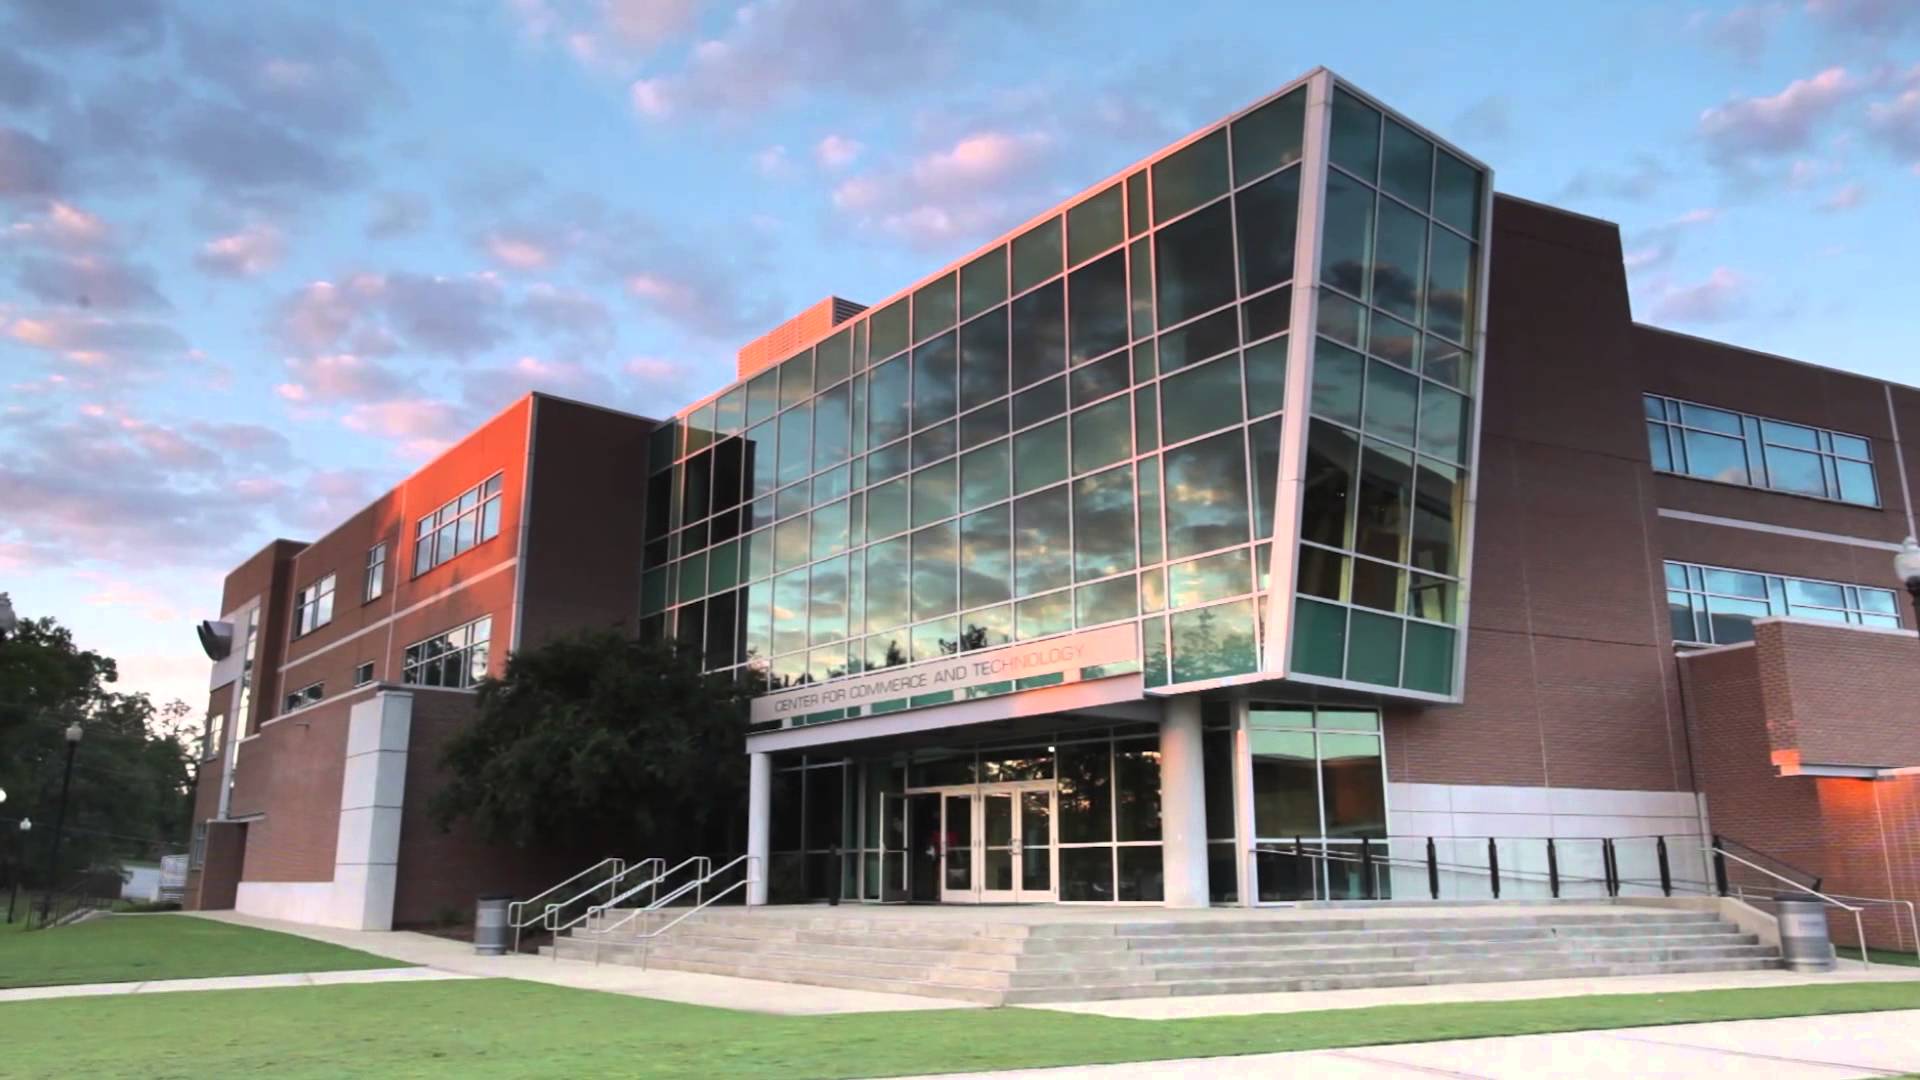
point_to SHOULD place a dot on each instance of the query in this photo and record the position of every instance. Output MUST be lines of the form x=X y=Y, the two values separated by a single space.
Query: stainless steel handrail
x=646 y=937
x=518 y=907
x=1859 y=928
x=1913 y=918
x=1389 y=861
x=550 y=918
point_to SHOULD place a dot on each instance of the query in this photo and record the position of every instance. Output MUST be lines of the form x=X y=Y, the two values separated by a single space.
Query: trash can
x=490 y=929
x=1804 y=944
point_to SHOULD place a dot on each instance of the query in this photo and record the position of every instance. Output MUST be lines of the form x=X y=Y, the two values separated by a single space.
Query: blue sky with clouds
x=257 y=261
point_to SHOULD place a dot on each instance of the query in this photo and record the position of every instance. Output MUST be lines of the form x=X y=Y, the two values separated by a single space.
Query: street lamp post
x=59 y=825
x=13 y=871
x=1906 y=567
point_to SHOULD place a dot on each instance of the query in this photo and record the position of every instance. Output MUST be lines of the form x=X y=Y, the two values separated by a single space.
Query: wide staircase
x=997 y=959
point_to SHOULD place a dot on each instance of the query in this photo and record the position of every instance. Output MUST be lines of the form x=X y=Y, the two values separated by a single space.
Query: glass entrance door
x=1016 y=843
x=956 y=848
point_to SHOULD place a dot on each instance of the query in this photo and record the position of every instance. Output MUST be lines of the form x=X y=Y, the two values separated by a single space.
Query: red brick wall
x=213 y=886
x=1840 y=695
x=291 y=772
x=442 y=871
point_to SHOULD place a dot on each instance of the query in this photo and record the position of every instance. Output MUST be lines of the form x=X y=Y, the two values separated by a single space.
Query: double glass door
x=997 y=844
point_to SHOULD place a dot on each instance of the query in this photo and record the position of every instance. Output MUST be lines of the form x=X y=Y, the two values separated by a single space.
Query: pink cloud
x=251 y=251
x=836 y=151
x=61 y=225
x=1895 y=124
x=518 y=252
x=1847 y=197
x=419 y=427
x=1777 y=124
x=1877 y=18
x=1718 y=298
x=338 y=377
x=953 y=192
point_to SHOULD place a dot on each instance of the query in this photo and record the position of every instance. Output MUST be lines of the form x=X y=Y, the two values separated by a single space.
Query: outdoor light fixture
x=1906 y=567
x=73 y=732
x=8 y=620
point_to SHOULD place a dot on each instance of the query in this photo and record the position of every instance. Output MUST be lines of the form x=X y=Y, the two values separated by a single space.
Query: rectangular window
x=1712 y=606
x=456 y=659
x=305 y=696
x=1735 y=448
x=313 y=607
x=473 y=518
x=363 y=674
x=376 y=579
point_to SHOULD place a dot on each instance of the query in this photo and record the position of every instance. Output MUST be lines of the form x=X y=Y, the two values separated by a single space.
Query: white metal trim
x=1776 y=530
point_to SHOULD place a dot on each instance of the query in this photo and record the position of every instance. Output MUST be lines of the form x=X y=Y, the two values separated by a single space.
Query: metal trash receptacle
x=1804 y=942
x=490 y=929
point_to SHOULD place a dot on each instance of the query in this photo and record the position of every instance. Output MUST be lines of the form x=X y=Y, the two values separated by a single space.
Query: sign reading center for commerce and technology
x=1063 y=655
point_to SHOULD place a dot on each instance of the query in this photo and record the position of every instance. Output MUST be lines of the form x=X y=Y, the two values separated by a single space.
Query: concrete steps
x=1014 y=959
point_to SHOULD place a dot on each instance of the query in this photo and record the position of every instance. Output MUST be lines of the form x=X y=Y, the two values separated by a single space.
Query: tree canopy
x=132 y=792
x=598 y=741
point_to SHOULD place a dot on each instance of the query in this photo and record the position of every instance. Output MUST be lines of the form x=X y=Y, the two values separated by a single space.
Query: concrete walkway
x=690 y=988
x=1812 y=1047
x=230 y=982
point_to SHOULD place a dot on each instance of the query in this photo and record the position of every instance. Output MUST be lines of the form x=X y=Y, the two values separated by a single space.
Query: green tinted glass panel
x=833 y=359
x=1429 y=663
x=1450 y=286
x=827 y=603
x=1199 y=400
x=983 y=283
x=1443 y=423
x=1140 y=287
x=1102 y=434
x=693 y=578
x=1269 y=137
x=1105 y=602
x=1266 y=374
x=1040 y=456
x=1337 y=375
x=933 y=308
x=1346 y=243
x=1040 y=616
x=984 y=476
x=887 y=330
x=887 y=584
x=1373 y=649
x=1214 y=642
x=1038 y=335
x=889 y=389
x=1193 y=262
x=830 y=529
x=790 y=611
x=936 y=554
x=1152 y=546
x=1319 y=638
x=1206 y=484
x=987 y=628
x=934 y=493
x=1036 y=255
x=1037 y=403
x=1456 y=193
x=1215 y=577
x=1097 y=308
x=1103 y=528
x=1268 y=216
x=1137 y=203
x=1146 y=419
x=1356 y=136
x=1095 y=225
x=1153 y=648
x=1391 y=402
x=986 y=557
x=887 y=508
x=1406 y=165
x=1042 y=544
x=983 y=359
x=790 y=546
x=1190 y=176
x=1399 y=260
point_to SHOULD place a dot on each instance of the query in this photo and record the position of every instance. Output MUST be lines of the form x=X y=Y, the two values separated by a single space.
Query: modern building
x=1282 y=509
x=343 y=664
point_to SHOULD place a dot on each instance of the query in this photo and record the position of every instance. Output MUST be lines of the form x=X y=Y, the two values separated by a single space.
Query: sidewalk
x=229 y=982
x=1812 y=1047
x=686 y=987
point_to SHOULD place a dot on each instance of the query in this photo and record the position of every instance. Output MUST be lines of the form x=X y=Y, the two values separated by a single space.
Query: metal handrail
x=701 y=861
x=647 y=936
x=1912 y=917
x=549 y=917
x=1390 y=860
x=1327 y=850
x=518 y=907
x=1859 y=928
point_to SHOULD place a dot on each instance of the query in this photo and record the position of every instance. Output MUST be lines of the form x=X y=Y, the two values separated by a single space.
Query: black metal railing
x=1364 y=868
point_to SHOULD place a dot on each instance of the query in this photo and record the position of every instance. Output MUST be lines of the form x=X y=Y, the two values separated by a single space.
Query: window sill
x=1823 y=499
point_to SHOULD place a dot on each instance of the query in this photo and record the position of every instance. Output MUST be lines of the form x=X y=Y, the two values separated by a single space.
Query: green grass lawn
x=1882 y=956
x=506 y=1028
x=135 y=948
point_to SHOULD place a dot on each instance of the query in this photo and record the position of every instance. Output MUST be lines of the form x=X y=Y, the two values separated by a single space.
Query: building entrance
x=995 y=843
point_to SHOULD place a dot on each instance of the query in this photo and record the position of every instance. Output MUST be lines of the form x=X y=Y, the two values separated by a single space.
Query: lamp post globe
x=1906 y=567
x=59 y=826
x=26 y=824
x=73 y=732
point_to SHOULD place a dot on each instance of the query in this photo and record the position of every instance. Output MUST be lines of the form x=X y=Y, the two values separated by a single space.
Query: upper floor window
x=457 y=658
x=1711 y=606
x=1734 y=448
x=363 y=674
x=472 y=518
x=313 y=607
x=305 y=696
x=376 y=578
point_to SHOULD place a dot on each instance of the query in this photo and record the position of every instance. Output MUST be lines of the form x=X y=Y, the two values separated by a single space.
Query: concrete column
x=759 y=822
x=1183 y=804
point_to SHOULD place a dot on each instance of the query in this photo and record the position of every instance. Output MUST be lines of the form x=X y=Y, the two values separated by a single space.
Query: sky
x=259 y=262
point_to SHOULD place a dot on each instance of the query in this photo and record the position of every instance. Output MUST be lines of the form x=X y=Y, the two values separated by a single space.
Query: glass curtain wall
x=1077 y=427
x=1319 y=787
x=1390 y=434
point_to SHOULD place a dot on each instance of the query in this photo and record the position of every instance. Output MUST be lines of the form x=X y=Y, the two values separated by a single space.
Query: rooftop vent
x=787 y=338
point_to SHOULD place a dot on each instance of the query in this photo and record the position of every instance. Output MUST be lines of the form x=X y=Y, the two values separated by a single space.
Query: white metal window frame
x=1697 y=586
x=463 y=641
x=438 y=537
x=375 y=581
x=313 y=606
x=1759 y=436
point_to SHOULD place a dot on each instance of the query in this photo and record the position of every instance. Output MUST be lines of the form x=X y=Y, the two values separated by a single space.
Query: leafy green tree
x=132 y=791
x=598 y=742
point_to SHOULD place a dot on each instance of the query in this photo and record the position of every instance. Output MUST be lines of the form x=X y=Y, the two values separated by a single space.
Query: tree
x=602 y=742
x=132 y=784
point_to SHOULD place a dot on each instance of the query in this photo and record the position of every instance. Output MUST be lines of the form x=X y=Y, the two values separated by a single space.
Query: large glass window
x=1714 y=606
x=1737 y=448
x=456 y=659
x=313 y=607
x=472 y=518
